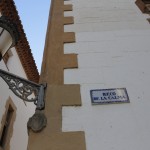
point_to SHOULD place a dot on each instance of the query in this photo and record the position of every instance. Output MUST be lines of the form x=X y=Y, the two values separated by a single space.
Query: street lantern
x=9 y=35
x=22 y=88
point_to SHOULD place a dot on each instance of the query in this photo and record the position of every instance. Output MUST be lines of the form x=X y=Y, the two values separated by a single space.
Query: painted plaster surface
x=112 y=43
x=57 y=94
x=19 y=138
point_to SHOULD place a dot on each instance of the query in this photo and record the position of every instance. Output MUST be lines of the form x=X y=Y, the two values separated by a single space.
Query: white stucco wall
x=112 y=43
x=20 y=137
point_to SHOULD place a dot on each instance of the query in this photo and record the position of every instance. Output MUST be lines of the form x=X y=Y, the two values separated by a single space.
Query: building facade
x=112 y=43
x=17 y=59
x=96 y=66
x=97 y=46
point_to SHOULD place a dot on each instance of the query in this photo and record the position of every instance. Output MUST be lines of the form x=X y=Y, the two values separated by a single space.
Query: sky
x=34 y=17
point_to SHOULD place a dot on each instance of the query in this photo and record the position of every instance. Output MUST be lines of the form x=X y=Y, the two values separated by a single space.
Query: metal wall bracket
x=24 y=89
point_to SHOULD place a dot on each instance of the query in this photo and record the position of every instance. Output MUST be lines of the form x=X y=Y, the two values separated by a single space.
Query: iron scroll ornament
x=24 y=89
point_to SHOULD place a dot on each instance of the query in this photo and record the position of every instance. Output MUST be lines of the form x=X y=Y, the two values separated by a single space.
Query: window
x=7 y=125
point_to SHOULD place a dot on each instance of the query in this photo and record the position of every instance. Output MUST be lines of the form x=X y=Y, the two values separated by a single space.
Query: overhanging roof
x=8 y=9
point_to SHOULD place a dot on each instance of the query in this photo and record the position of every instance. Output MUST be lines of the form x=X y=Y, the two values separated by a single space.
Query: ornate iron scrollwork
x=24 y=89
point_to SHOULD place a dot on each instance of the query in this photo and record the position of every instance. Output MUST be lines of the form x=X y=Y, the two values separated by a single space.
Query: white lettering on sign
x=106 y=96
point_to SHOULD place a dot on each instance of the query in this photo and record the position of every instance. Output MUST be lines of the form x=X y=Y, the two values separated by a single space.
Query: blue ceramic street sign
x=106 y=96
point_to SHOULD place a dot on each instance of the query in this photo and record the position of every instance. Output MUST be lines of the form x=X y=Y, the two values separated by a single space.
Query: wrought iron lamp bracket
x=24 y=89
